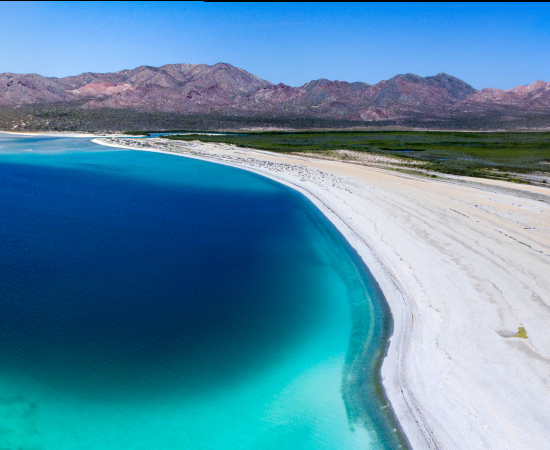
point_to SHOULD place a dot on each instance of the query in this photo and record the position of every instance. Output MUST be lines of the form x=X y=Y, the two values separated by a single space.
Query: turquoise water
x=156 y=302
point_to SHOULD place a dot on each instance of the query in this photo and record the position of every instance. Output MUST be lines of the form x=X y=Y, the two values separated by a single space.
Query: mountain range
x=200 y=89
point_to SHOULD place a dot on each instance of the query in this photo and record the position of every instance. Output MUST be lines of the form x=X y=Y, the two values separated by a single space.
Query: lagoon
x=152 y=301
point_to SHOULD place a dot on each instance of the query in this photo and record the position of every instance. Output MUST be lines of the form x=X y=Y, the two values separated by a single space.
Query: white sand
x=462 y=263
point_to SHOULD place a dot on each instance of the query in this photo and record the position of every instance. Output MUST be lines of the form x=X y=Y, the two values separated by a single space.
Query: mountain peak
x=225 y=89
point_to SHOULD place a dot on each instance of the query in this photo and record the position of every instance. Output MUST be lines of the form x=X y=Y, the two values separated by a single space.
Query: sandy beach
x=464 y=264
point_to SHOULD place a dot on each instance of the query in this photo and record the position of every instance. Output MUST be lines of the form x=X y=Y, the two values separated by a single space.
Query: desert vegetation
x=512 y=156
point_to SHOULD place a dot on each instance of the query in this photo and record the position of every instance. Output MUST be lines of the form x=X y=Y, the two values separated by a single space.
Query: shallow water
x=156 y=302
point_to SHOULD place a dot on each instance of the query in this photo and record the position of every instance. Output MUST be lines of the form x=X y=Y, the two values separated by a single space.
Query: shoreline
x=457 y=289
x=400 y=316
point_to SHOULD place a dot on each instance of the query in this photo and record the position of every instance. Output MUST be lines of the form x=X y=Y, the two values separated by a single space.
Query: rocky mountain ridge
x=228 y=90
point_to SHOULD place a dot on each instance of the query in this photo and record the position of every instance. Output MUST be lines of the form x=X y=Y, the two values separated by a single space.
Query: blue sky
x=497 y=45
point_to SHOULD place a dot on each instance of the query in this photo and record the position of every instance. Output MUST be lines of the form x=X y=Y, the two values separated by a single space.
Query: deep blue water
x=153 y=301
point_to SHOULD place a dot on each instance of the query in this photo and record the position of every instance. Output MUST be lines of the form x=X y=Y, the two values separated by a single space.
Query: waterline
x=121 y=251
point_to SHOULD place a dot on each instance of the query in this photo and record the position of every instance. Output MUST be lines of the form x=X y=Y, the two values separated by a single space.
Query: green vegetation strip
x=499 y=155
x=137 y=133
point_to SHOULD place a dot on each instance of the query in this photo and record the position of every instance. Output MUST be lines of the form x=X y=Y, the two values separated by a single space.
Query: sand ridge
x=463 y=264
